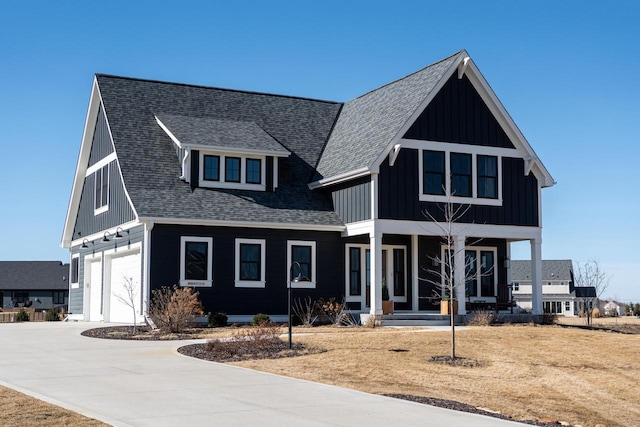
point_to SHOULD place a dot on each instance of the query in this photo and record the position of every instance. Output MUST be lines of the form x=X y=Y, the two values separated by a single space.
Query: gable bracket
x=394 y=154
x=462 y=67
x=529 y=162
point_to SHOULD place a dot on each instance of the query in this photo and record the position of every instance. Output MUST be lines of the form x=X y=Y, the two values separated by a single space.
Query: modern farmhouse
x=233 y=192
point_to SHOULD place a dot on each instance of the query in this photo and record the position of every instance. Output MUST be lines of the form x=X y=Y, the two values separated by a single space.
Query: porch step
x=409 y=319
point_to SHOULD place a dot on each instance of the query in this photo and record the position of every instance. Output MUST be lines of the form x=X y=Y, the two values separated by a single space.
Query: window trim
x=103 y=207
x=208 y=282
x=312 y=280
x=76 y=284
x=250 y=283
x=364 y=248
x=474 y=152
x=242 y=184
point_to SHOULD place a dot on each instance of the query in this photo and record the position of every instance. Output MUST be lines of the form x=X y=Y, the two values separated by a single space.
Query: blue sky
x=565 y=70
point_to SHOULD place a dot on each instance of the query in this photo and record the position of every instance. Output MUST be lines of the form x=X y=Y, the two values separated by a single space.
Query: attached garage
x=124 y=285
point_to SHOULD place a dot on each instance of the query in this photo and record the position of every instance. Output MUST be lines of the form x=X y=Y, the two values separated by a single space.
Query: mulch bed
x=274 y=350
x=143 y=333
x=463 y=407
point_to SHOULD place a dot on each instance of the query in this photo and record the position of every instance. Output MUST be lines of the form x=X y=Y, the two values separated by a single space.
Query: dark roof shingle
x=34 y=275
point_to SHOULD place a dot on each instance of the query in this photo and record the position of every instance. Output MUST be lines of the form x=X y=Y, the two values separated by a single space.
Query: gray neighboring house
x=559 y=293
x=236 y=192
x=44 y=283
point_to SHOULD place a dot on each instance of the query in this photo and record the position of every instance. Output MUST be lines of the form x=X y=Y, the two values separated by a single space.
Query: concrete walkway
x=126 y=383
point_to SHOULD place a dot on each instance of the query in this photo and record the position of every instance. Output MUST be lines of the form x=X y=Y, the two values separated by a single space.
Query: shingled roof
x=369 y=123
x=551 y=270
x=151 y=171
x=33 y=275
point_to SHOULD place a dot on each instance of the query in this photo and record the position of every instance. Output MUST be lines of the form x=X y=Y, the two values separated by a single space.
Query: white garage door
x=125 y=287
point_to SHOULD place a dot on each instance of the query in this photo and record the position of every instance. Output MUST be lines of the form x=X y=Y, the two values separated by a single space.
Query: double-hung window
x=461 y=175
x=250 y=263
x=433 y=175
x=101 y=190
x=254 y=174
x=301 y=259
x=232 y=169
x=196 y=261
x=487 y=177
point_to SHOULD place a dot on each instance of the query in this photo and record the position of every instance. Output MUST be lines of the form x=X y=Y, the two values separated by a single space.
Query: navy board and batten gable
x=226 y=190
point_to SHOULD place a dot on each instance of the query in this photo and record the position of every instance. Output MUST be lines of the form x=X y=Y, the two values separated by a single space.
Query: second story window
x=254 y=175
x=433 y=172
x=101 y=190
x=488 y=177
x=461 y=174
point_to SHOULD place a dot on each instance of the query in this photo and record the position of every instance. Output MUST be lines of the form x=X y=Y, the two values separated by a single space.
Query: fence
x=8 y=315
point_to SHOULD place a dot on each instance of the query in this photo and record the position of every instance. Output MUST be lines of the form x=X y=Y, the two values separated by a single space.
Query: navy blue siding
x=224 y=296
x=101 y=146
x=96 y=247
x=119 y=212
x=399 y=195
x=352 y=201
x=458 y=114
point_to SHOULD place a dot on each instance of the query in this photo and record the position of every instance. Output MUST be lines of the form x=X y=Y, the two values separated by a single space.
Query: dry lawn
x=530 y=372
x=17 y=409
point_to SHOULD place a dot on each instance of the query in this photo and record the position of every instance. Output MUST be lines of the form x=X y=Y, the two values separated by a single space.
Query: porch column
x=375 y=245
x=536 y=276
x=414 y=273
x=459 y=272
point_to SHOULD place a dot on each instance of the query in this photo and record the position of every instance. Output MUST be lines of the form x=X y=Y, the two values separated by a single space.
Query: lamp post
x=297 y=279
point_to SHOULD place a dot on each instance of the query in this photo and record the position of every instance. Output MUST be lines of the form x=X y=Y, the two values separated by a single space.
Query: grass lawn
x=530 y=372
x=574 y=375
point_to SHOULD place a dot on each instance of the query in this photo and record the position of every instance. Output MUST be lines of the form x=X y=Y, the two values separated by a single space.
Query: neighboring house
x=612 y=309
x=232 y=192
x=36 y=284
x=559 y=294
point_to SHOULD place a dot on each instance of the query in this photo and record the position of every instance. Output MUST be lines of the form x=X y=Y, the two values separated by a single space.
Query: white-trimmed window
x=567 y=306
x=101 y=190
x=471 y=177
x=250 y=263
x=516 y=286
x=481 y=270
x=222 y=170
x=196 y=261
x=74 y=272
x=358 y=272
x=304 y=254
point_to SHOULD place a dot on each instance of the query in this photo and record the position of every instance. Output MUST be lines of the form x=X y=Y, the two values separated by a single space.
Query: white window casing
x=208 y=282
x=311 y=284
x=250 y=283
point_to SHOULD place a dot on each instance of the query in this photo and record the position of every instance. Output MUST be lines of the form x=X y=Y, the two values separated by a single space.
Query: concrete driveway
x=127 y=383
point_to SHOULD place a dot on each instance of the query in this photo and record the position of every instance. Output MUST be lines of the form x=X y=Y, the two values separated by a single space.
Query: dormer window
x=223 y=170
x=101 y=190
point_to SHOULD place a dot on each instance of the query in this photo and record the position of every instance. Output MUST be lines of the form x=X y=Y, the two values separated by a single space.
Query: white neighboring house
x=558 y=291
x=612 y=309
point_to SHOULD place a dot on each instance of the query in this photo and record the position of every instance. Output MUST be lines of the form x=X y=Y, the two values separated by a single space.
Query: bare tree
x=447 y=283
x=129 y=298
x=591 y=275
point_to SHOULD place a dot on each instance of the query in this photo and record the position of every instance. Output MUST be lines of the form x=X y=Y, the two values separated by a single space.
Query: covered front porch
x=409 y=260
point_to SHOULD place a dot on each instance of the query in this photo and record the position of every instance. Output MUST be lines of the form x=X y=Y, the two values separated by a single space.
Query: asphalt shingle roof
x=551 y=270
x=231 y=134
x=34 y=275
x=151 y=170
x=367 y=124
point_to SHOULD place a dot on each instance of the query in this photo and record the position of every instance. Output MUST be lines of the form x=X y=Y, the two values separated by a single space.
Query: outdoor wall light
x=297 y=279
x=119 y=232
x=84 y=243
x=106 y=237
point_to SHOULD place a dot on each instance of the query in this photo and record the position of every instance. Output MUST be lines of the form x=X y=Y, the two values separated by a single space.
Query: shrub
x=305 y=311
x=22 y=316
x=52 y=315
x=481 y=318
x=548 y=319
x=261 y=319
x=172 y=309
x=218 y=319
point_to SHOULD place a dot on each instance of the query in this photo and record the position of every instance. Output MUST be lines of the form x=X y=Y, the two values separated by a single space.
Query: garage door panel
x=125 y=272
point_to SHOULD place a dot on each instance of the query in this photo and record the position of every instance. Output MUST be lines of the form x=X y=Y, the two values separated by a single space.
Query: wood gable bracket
x=394 y=154
x=462 y=67
x=529 y=162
